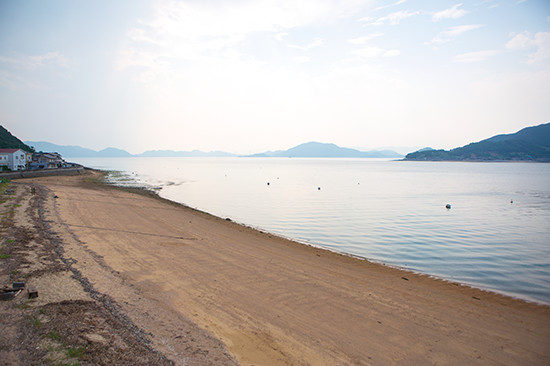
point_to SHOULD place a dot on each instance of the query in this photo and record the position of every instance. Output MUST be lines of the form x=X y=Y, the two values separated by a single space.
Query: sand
x=175 y=272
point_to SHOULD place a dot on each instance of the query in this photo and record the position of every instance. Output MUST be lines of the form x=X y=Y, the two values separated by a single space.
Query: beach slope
x=175 y=271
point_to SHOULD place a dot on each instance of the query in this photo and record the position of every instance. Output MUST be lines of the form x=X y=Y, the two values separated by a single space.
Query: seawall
x=43 y=173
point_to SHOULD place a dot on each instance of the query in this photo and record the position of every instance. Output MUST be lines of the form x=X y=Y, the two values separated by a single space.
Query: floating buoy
x=267 y=183
x=511 y=201
x=318 y=188
x=448 y=206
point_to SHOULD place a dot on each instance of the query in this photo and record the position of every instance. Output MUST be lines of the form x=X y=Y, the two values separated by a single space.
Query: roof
x=48 y=154
x=9 y=151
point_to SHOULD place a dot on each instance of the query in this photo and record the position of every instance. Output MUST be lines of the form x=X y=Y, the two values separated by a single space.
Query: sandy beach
x=206 y=290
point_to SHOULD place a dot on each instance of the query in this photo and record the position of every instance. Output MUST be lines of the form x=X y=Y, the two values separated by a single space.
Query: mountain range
x=528 y=144
x=323 y=150
x=111 y=152
x=309 y=150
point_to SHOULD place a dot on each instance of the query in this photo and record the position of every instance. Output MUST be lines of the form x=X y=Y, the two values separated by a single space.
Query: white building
x=14 y=159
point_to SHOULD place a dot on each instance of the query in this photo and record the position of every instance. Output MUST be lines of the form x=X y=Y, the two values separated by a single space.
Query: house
x=29 y=159
x=47 y=160
x=13 y=159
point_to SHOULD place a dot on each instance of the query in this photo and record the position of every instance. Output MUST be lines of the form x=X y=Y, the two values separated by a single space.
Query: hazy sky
x=248 y=76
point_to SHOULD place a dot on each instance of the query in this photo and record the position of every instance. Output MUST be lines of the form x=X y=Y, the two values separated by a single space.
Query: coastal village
x=15 y=159
x=21 y=160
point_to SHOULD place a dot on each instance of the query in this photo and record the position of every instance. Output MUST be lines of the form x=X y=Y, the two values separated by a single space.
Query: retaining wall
x=43 y=173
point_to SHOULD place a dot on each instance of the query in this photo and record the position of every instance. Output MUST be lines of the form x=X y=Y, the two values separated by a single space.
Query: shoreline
x=178 y=273
x=154 y=191
x=477 y=161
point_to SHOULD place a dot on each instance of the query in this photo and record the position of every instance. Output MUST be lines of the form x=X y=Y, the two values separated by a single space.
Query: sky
x=249 y=76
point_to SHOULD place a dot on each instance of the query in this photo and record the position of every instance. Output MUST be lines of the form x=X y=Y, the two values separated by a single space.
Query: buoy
x=267 y=183
x=318 y=188
x=511 y=201
x=448 y=206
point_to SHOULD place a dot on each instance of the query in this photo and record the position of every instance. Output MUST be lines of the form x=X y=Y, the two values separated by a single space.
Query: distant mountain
x=111 y=152
x=324 y=150
x=77 y=151
x=307 y=150
x=528 y=144
x=8 y=141
x=194 y=153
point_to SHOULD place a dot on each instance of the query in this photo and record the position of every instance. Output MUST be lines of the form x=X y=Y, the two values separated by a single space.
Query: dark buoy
x=511 y=201
x=448 y=206
x=318 y=188
x=267 y=183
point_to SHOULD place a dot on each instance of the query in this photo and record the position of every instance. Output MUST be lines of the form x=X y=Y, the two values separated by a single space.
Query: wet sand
x=271 y=301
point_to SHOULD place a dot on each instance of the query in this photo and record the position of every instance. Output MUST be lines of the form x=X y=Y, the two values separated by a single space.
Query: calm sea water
x=496 y=235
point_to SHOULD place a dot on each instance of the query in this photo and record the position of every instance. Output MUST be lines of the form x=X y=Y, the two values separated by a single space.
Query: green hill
x=528 y=144
x=8 y=141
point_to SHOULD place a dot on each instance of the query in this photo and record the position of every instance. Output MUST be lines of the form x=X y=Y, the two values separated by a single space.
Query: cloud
x=399 y=2
x=179 y=32
x=519 y=41
x=391 y=53
x=453 y=32
x=451 y=13
x=393 y=18
x=23 y=71
x=364 y=39
x=279 y=36
x=540 y=42
x=140 y=35
x=193 y=21
x=372 y=52
x=38 y=61
x=368 y=52
x=475 y=56
x=318 y=42
x=301 y=59
x=50 y=57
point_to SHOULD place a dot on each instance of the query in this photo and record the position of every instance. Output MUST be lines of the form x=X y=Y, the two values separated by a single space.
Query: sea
x=494 y=236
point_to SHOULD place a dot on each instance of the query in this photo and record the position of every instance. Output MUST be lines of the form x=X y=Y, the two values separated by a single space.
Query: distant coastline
x=531 y=144
x=306 y=150
x=475 y=161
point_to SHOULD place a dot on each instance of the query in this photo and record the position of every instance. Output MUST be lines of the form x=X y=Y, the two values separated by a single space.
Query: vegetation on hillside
x=528 y=144
x=8 y=141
